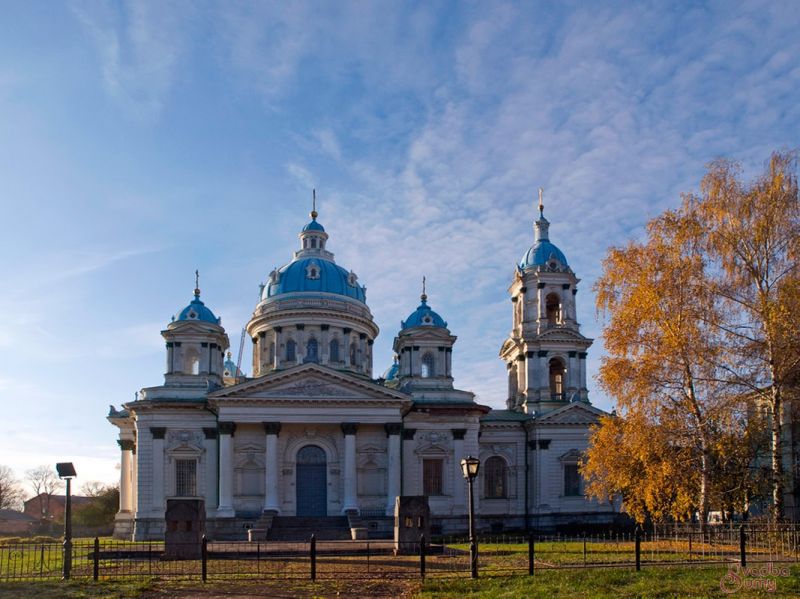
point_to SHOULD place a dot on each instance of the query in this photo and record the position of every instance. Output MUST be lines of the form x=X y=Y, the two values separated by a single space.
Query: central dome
x=314 y=275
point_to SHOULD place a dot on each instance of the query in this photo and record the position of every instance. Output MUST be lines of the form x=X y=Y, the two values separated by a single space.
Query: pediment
x=563 y=334
x=309 y=382
x=574 y=413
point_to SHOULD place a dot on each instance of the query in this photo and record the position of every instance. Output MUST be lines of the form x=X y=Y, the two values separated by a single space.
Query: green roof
x=505 y=416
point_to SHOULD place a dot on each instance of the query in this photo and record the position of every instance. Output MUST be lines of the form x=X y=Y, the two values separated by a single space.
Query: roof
x=315 y=274
x=423 y=316
x=541 y=253
x=505 y=416
x=197 y=310
x=15 y=516
x=314 y=226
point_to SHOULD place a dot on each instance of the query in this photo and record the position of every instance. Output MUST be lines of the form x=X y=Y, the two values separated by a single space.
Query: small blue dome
x=315 y=274
x=391 y=372
x=197 y=310
x=423 y=316
x=230 y=369
x=540 y=254
x=314 y=226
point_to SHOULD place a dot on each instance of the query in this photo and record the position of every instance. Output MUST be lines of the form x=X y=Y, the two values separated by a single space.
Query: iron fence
x=442 y=557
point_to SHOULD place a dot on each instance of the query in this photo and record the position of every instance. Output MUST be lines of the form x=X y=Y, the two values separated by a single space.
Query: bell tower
x=545 y=353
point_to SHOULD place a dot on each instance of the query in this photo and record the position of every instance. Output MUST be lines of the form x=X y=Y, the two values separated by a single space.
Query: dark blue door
x=312 y=482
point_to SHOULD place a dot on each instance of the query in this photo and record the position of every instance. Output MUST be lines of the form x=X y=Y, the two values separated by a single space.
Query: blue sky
x=140 y=141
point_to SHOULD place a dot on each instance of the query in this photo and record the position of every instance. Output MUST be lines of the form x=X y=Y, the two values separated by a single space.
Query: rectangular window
x=186 y=478
x=432 y=477
x=572 y=481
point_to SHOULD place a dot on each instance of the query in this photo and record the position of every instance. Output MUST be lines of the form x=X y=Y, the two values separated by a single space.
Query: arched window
x=334 y=350
x=552 y=307
x=312 y=351
x=291 y=351
x=494 y=478
x=353 y=354
x=428 y=369
x=556 y=379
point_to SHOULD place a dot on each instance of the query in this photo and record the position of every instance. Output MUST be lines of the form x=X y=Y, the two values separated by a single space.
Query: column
x=157 y=505
x=226 y=430
x=278 y=341
x=125 y=478
x=459 y=486
x=582 y=361
x=540 y=298
x=393 y=430
x=212 y=484
x=572 y=373
x=544 y=376
x=350 y=499
x=408 y=455
x=271 y=502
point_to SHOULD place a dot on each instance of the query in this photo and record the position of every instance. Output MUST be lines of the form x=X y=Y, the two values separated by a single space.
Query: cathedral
x=313 y=435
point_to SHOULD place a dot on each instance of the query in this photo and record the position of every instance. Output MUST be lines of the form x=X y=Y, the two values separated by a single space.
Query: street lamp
x=66 y=471
x=469 y=468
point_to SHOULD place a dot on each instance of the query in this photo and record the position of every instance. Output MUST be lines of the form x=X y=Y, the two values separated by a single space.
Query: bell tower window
x=556 y=379
x=352 y=354
x=291 y=351
x=552 y=308
x=334 y=350
x=427 y=369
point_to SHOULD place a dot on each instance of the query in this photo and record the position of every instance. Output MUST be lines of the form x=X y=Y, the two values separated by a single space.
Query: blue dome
x=197 y=310
x=230 y=368
x=540 y=253
x=423 y=316
x=315 y=274
x=391 y=372
x=314 y=226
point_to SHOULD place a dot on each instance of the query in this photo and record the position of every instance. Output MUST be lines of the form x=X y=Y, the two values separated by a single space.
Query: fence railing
x=447 y=556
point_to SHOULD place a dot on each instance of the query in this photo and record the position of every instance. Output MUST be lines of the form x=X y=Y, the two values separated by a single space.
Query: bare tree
x=10 y=491
x=93 y=488
x=45 y=482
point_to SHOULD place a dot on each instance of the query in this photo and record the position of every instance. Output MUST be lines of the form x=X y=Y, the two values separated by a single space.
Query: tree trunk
x=775 y=406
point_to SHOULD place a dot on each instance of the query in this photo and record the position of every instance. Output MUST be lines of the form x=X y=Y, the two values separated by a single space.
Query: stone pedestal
x=412 y=518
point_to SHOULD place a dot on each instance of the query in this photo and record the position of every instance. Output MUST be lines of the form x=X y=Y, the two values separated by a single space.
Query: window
x=572 y=481
x=556 y=379
x=334 y=347
x=352 y=354
x=185 y=478
x=312 y=351
x=552 y=307
x=291 y=351
x=272 y=353
x=494 y=478
x=432 y=477
x=428 y=366
x=313 y=243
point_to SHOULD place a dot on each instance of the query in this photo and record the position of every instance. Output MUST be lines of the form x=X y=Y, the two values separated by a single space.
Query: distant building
x=13 y=522
x=51 y=507
x=314 y=434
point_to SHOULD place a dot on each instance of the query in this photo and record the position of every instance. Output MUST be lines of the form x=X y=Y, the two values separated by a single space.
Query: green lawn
x=590 y=583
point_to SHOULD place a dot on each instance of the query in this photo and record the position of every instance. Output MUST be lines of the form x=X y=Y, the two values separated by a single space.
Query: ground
x=579 y=583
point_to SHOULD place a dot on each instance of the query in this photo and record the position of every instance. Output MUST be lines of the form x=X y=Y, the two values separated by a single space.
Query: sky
x=140 y=141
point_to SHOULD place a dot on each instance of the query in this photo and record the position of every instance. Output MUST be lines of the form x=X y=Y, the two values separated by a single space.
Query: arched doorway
x=312 y=482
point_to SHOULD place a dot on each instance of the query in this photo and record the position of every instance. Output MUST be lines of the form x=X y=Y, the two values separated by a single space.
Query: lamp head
x=66 y=470
x=470 y=467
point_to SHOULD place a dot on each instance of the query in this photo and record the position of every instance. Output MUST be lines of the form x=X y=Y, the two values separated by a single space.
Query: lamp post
x=469 y=468
x=66 y=471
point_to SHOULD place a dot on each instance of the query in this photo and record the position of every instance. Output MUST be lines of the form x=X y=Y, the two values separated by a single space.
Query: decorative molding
x=393 y=428
x=226 y=428
x=349 y=428
x=126 y=444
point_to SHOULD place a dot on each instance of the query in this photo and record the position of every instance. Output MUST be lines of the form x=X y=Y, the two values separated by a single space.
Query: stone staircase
x=292 y=528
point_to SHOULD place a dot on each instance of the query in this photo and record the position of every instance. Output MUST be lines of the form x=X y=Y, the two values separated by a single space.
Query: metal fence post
x=204 y=557
x=531 y=554
x=690 y=546
x=584 y=550
x=313 y=549
x=422 y=556
x=742 y=548
x=637 y=538
x=96 y=560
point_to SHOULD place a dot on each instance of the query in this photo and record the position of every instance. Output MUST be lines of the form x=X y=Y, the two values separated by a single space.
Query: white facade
x=313 y=434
